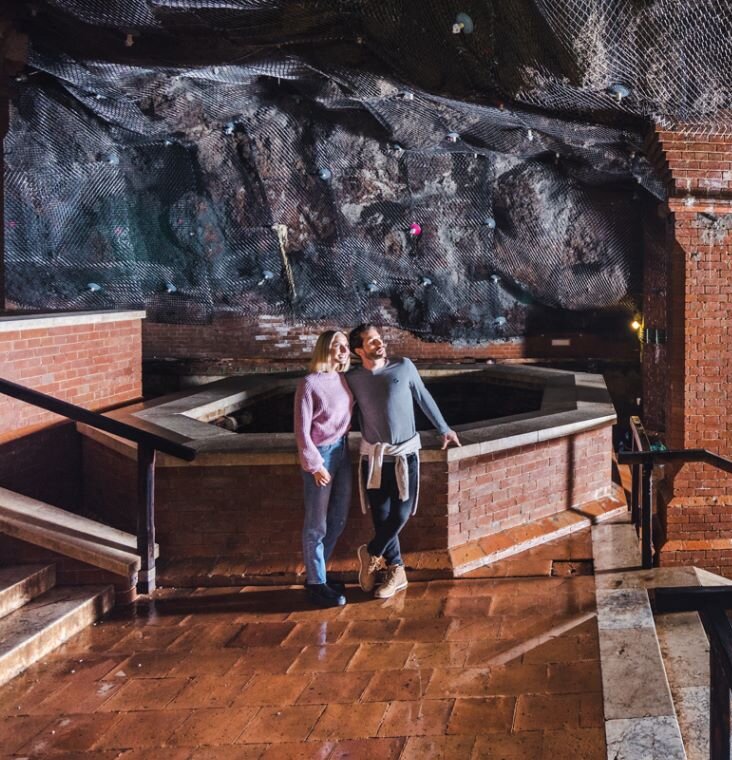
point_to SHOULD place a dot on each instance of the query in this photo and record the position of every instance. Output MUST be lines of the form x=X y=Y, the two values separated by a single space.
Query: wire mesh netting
x=476 y=165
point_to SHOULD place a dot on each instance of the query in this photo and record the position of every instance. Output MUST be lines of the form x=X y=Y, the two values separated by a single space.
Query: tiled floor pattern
x=256 y=673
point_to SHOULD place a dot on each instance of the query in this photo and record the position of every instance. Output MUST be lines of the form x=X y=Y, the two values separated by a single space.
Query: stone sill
x=15 y=322
x=572 y=402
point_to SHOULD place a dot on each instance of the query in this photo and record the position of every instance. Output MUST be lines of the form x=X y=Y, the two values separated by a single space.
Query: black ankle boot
x=335 y=585
x=324 y=596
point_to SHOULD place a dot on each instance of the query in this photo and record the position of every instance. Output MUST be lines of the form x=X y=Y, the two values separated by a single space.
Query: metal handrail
x=710 y=602
x=148 y=444
x=642 y=460
x=676 y=455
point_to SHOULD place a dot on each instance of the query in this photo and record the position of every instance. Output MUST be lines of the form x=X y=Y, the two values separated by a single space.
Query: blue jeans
x=326 y=509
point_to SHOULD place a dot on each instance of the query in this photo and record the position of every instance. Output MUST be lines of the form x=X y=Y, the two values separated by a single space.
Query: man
x=385 y=391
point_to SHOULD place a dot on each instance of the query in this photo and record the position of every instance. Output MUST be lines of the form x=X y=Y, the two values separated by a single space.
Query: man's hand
x=322 y=477
x=450 y=437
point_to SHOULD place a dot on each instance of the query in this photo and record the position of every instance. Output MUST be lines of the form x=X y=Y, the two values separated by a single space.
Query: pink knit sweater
x=323 y=406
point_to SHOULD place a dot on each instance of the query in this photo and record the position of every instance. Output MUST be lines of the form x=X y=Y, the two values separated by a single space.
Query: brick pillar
x=696 y=500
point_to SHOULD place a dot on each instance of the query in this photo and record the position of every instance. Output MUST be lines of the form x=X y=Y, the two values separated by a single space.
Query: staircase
x=655 y=668
x=36 y=616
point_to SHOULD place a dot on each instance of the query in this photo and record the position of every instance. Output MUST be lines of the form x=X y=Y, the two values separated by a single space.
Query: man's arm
x=428 y=405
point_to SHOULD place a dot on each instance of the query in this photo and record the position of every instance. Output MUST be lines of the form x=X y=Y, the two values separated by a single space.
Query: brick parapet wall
x=90 y=360
x=494 y=492
x=254 y=513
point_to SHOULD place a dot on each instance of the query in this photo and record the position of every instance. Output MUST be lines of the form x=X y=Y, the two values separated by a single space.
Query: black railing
x=148 y=444
x=710 y=602
x=642 y=459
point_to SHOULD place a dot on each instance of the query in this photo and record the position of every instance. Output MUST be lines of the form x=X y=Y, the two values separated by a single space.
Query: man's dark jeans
x=390 y=514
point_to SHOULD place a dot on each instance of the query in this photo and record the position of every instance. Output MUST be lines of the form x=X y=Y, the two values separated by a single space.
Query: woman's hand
x=322 y=477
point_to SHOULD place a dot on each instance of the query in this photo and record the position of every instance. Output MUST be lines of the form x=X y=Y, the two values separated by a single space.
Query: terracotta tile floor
x=496 y=665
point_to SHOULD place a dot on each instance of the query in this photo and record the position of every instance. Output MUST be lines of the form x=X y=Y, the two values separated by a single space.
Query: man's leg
x=389 y=513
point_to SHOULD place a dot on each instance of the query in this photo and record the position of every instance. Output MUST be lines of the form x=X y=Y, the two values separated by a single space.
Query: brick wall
x=497 y=491
x=696 y=503
x=93 y=360
x=245 y=344
x=696 y=164
x=44 y=465
x=253 y=513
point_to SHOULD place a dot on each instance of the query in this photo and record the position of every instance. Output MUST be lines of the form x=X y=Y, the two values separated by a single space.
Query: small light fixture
x=530 y=135
x=495 y=279
x=229 y=128
x=619 y=91
x=490 y=223
x=415 y=229
x=463 y=23
x=636 y=324
x=372 y=287
x=452 y=137
x=408 y=95
x=93 y=287
x=499 y=321
x=425 y=282
x=325 y=173
x=170 y=287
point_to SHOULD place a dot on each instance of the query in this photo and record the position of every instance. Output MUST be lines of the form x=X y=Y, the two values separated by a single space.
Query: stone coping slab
x=572 y=402
x=640 y=715
x=15 y=322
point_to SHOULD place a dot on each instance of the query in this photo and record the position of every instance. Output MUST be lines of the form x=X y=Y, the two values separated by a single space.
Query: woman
x=323 y=407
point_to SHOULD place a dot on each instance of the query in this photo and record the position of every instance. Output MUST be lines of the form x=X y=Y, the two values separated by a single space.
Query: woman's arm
x=310 y=459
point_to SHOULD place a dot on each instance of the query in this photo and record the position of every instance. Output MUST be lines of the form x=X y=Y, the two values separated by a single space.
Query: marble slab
x=656 y=738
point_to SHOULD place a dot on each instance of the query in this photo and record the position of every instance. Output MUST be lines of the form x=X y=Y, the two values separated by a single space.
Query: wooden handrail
x=94 y=419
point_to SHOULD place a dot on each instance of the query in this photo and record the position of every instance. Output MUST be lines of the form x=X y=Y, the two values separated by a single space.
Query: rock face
x=370 y=161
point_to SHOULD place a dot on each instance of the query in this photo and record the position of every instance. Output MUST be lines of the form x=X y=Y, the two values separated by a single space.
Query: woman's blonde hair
x=320 y=360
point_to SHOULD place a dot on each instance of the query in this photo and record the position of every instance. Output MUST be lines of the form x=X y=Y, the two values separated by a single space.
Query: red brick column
x=696 y=500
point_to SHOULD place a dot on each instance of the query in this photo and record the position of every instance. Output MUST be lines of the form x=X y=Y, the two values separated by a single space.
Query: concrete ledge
x=14 y=322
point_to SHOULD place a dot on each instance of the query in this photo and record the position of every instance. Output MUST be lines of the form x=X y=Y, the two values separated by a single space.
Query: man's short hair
x=355 y=337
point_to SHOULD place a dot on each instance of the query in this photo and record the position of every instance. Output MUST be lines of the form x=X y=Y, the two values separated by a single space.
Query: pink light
x=415 y=230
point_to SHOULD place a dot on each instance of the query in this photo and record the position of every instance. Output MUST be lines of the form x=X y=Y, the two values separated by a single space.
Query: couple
x=384 y=391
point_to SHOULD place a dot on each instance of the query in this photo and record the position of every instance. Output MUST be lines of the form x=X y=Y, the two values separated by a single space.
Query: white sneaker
x=396 y=580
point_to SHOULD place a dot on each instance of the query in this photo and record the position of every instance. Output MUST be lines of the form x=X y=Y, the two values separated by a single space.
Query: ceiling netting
x=475 y=166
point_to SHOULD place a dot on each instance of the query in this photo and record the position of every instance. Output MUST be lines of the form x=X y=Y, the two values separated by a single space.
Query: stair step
x=31 y=632
x=21 y=583
x=69 y=534
x=640 y=719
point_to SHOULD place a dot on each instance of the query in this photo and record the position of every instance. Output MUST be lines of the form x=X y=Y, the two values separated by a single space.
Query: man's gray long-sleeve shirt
x=385 y=399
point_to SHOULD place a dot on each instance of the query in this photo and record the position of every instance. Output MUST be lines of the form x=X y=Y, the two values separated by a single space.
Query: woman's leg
x=340 y=499
x=314 y=528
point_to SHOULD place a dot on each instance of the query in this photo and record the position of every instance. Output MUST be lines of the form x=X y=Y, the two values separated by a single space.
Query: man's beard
x=375 y=356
